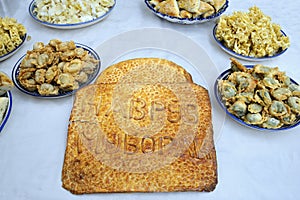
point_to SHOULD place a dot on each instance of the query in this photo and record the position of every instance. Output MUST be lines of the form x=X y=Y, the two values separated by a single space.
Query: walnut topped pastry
x=188 y=8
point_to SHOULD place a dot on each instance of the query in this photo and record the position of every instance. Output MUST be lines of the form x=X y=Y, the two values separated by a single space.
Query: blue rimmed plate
x=9 y=54
x=8 y=110
x=243 y=57
x=223 y=76
x=68 y=26
x=187 y=20
x=91 y=77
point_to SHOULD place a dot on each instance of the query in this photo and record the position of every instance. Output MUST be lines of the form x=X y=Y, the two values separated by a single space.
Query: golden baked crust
x=140 y=137
x=175 y=73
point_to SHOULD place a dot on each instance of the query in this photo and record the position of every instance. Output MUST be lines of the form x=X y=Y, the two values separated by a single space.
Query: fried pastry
x=185 y=14
x=155 y=2
x=139 y=129
x=169 y=7
x=56 y=67
x=189 y=5
x=5 y=83
x=204 y=10
x=188 y=8
x=217 y=4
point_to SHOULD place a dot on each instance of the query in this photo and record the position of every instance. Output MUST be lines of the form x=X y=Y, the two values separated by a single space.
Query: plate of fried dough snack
x=259 y=96
x=12 y=37
x=56 y=69
x=70 y=14
x=250 y=35
x=187 y=11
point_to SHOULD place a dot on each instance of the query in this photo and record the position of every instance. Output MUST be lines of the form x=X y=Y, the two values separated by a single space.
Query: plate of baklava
x=187 y=12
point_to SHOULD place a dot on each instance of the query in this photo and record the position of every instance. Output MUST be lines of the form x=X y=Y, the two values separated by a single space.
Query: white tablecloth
x=251 y=164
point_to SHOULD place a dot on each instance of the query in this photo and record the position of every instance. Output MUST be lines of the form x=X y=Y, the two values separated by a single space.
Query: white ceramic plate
x=147 y=43
x=8 y=110
x=68 y=26
x=61 y=94
x=248 y=58
x=9 y=54
x=187 y=20
x=223 y=76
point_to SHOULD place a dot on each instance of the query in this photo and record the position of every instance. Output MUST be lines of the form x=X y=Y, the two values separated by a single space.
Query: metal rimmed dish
x=61 y=94
x=187 y=20
x=223 y=76
x=68 y=26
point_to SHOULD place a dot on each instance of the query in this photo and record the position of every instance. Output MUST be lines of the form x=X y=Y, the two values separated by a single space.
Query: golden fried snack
x=189 y=5
x=128 y=134
x=169 y=7
x=261 y=96
x=56 y=67
x=205 y=10
x=12 y=34
x=217 y=4
x=243 y=33
x=5 y=83
x=188 y=8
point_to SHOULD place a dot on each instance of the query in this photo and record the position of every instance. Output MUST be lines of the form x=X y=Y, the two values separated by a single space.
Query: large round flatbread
x=141 y=127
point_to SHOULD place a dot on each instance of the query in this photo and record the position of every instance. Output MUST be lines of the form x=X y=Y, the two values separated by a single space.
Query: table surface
x=251 y=164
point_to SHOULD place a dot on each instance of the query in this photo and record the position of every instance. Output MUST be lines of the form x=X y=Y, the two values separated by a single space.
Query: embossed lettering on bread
x=143 y=126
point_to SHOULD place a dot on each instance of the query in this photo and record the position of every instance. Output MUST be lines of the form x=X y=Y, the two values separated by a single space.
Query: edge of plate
x=8 y=111
x=9 y=54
